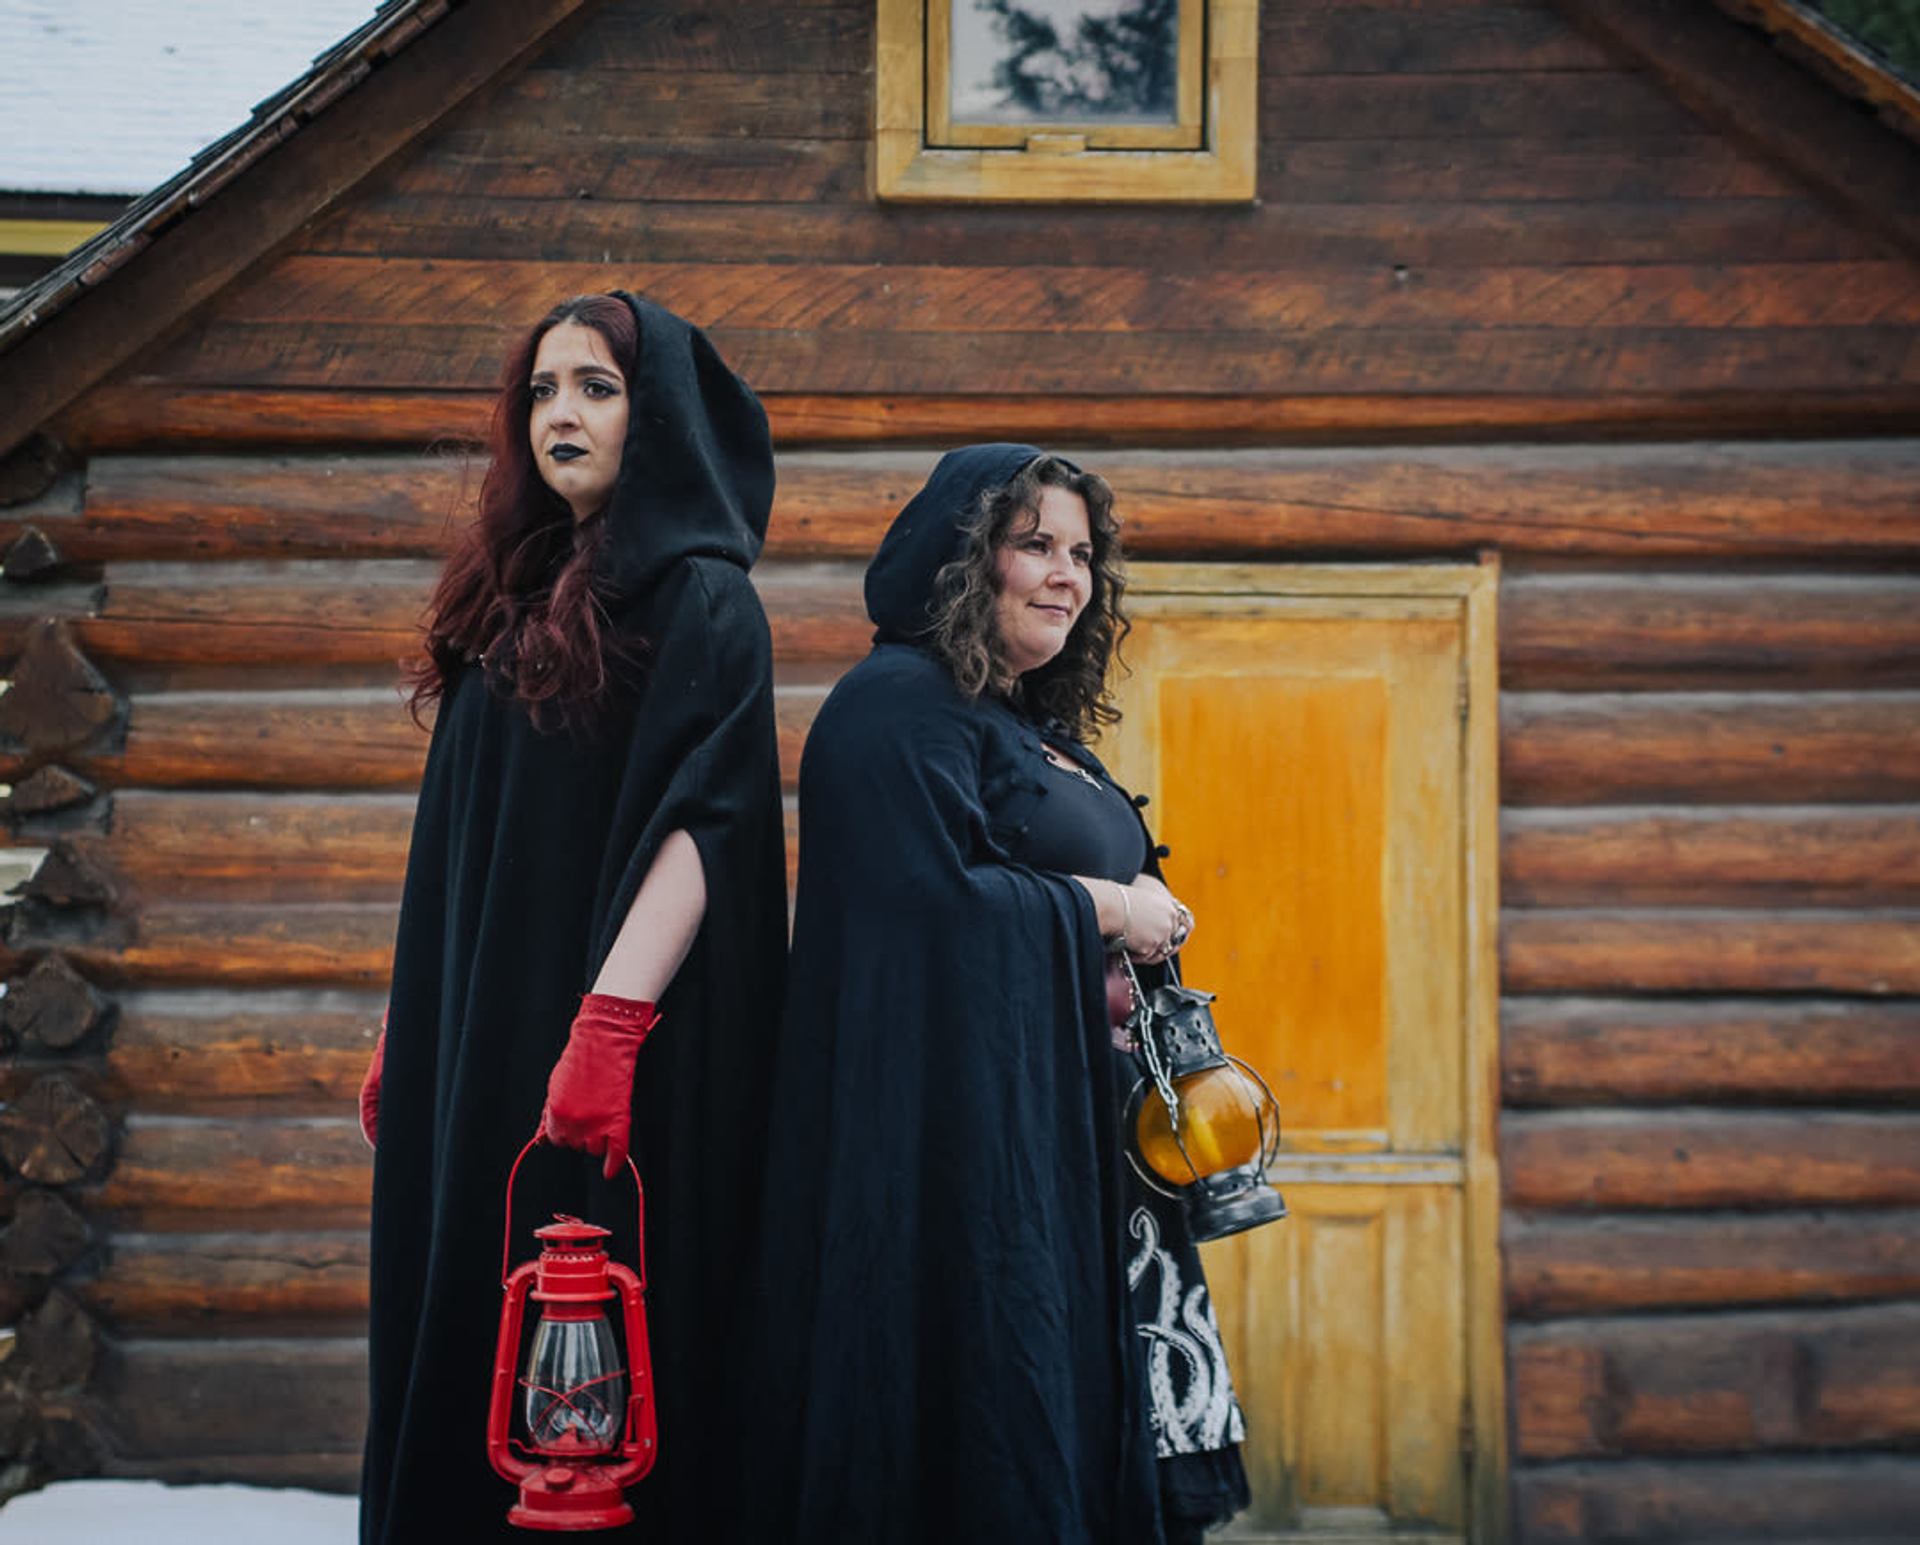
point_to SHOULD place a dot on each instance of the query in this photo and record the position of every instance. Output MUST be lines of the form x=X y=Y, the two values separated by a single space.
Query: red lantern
x=583 y=1428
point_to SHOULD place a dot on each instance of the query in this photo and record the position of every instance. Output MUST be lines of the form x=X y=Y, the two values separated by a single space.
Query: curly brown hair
x=1071 y=688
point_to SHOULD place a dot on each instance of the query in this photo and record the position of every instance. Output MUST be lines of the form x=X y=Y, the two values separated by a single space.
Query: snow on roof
x=116 y=96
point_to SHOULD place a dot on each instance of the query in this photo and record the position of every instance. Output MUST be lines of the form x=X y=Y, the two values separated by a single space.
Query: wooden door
x=1318 y=745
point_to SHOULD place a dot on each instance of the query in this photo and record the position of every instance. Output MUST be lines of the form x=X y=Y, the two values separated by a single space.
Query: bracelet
x=1119 y=940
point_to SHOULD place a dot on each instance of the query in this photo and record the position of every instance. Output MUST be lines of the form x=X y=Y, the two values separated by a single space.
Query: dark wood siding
x=1468 y=203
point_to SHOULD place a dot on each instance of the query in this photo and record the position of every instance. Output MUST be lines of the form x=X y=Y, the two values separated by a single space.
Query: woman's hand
x=1183 y=930
x=590 y=1091
x=1152 y=919
x=370 y=1088
x=1144 y=918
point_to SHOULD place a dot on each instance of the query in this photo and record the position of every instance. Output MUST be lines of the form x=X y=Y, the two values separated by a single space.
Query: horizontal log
x=257 y=847
x=1389 y=359
x=179 y=1166
x=1587 y=1160
x=980 y=299
x=203 y=846
x=345 y=738
x=1611 y=1265
x=201 y=1400
x=309 y=613
x=1866 y=1500
x=338 y=738
x=1748 y=857
x=223 y=1284
x=1716 y=1383
x=1709 y=747
x=1585 y=632
x=1797 y=497
x=223 y=1051
x=1718 y=952
x=1585 y=1051
x=206 y=507
x=1776 y=499
x=290 y=1052
x=1297 y=234
x=238 y=944
x=315 y=612
x=118 y=417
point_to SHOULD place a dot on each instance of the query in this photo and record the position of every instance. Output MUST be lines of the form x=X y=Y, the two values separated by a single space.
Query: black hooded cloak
x=528 y=848
x=955 y=1357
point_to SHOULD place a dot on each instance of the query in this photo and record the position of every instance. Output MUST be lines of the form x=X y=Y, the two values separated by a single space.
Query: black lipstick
x=566 y=452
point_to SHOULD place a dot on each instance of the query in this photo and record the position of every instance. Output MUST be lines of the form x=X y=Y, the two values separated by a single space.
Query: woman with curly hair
x=975 y=1294
x=592 y=932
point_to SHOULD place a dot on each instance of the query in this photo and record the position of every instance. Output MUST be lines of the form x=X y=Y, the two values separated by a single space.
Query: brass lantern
x=1203 y=1125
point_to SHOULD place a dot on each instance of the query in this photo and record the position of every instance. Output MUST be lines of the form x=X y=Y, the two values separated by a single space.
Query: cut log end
x=58 y=701
x=31 y=556
x=53 y=1005
x=31 y=468
x=46 y=790
x=70 y=877
x=46 y=1236
x=54 y=1135
x=59 y=1344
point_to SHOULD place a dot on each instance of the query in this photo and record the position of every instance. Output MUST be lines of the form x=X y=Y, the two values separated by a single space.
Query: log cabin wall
x=1501 y=291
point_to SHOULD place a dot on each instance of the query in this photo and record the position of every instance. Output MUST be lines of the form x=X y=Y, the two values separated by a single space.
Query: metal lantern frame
x=1215 y=1195
x=561 y=1491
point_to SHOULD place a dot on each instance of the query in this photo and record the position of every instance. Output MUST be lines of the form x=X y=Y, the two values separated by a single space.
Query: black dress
x=528 y=848
x=1086 y=824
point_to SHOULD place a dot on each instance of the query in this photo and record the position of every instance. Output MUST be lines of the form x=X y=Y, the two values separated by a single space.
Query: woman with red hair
x=592 y=932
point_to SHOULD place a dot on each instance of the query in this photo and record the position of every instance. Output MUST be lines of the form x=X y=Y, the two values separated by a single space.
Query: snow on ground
x=148 y=1513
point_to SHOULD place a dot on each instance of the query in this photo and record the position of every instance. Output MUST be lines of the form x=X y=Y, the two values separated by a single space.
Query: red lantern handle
x=639 y=1214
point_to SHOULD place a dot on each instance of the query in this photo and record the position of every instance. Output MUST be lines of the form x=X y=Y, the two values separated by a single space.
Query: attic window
x=1064 y=100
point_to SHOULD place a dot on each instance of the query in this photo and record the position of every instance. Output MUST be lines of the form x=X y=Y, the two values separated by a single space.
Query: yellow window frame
x=1207 y=156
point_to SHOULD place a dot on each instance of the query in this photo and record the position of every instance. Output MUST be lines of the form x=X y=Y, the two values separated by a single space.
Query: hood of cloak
x=928 y=534
x=696 y=471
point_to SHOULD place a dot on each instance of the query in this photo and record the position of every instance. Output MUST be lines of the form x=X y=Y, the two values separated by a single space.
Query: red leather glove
x=370 y=1089
x=590 y=1093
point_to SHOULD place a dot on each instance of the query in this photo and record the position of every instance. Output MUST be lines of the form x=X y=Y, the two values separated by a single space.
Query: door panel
x=1302 y=735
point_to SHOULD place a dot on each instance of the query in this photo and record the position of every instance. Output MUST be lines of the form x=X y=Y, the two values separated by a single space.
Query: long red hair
x=518 y=593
